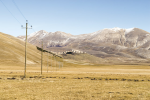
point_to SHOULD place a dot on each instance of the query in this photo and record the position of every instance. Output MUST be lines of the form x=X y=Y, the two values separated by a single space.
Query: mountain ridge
x=106 y=43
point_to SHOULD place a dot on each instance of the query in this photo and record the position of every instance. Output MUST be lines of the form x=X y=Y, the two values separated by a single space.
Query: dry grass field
x=103 y=82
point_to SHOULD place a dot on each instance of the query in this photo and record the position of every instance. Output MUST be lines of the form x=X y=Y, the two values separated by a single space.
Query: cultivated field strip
x=77 y=78
x=65 y=88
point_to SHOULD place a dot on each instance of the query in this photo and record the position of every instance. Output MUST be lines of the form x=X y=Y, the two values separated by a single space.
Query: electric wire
x=22 y=13
x=19 y=9
x=10 y=12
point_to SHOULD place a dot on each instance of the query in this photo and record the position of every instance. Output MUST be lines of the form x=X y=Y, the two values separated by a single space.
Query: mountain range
x=112 y=44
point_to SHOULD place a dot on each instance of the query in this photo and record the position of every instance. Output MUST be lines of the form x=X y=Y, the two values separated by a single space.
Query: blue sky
x=74 y=16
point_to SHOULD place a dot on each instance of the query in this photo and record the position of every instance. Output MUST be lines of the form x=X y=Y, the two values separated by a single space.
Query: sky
x=73 y=16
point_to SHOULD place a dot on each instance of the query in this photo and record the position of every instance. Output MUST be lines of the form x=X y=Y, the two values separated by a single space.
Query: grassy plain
x=81 y=78
x=86 y=82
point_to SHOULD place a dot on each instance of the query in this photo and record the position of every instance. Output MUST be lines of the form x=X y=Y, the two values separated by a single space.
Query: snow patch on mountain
x=95 y=33
x=129 y=30
x=32 y=34
x=41 y=33
x=116 y=29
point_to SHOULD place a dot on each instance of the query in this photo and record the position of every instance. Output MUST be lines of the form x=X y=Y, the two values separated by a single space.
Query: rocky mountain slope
x=111 y=43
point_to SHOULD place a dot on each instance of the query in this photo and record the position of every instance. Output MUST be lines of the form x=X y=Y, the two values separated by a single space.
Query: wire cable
x=21 y=13
x=10 y=12
x=19 y=9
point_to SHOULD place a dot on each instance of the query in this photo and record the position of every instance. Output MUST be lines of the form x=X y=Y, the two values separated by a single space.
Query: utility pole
x=26 y=45
x=47 y=62
x=41 y=56
x=59 y=64
x=62 y=62
x=56 y=63
x=51 y=62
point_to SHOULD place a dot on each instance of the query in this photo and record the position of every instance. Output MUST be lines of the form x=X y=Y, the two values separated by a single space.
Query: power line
x=19 y=9
x=34 y=30
x=21 y=13
x=10 y=12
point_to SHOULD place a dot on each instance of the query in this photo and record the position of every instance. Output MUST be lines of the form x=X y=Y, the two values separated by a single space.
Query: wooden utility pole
x=56 y=63
x=51 y=62
x=26 y=46
x=59 y=64
x=47 y=62
x=62 y=62
x=25 y=50
x=41 y=56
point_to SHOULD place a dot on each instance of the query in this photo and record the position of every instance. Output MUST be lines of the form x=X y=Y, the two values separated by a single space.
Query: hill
x=12 y=52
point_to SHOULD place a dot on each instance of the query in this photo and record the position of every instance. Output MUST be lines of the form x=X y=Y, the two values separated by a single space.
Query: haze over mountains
x=123 y=45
